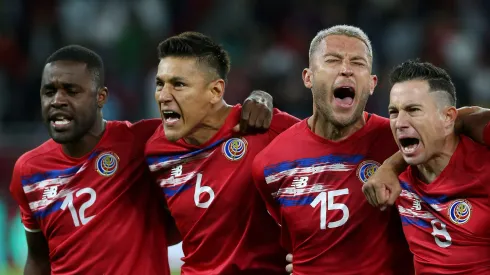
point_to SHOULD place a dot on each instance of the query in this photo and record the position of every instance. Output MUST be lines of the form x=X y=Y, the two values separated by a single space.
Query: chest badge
x=459 y=211
x=366 y=169
x=234 y=148
x=107 y=164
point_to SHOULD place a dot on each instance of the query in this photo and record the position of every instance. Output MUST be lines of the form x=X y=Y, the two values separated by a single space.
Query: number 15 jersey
x=313 y=188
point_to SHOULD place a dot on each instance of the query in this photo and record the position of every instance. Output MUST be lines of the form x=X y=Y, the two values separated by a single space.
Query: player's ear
x=372 y=83
x=307 y=78
x=217 y=89
x=450 y=115
x=102 y=94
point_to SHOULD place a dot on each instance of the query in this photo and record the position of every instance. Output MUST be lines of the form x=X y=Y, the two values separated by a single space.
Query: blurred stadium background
x=268 y=41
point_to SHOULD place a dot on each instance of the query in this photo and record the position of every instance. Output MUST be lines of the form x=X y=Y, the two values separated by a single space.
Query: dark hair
x=81 y=54
x=200 y=46
x=438 y=78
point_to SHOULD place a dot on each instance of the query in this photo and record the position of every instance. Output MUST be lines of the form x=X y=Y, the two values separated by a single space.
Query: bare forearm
x=37 y=267
x=396 y=163
x=472 y=121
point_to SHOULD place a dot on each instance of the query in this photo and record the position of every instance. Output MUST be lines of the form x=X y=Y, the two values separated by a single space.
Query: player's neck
x=429 y=171
x=326 y=129
x=210 y=125
x=87 y=143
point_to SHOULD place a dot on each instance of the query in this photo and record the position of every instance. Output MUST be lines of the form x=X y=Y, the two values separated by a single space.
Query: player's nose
x=59 y=99
x=346 y=69
x=402 y=120
x=164 y=95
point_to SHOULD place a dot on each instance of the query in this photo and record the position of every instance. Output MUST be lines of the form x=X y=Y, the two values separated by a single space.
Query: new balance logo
x=176 y=171
x=50 y=192
x=416 y=205
x=300 y=182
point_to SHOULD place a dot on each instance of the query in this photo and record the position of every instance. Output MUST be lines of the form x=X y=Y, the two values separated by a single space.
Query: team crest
x=366 y=169
x=459 y=211
x=234 y=148
x=107 y=164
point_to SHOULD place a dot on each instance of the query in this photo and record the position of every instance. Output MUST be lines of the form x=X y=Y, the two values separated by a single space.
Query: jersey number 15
x=326 y=202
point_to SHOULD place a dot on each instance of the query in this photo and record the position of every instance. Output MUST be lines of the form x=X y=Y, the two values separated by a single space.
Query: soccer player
x=204 y=170
x=85 y=195
x=313 y=189
x=444 y=203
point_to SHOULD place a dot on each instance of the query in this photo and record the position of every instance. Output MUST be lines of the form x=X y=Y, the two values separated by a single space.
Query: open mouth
x=60 y=122
x=171 y=117
x=344 y=96
x=409 y=145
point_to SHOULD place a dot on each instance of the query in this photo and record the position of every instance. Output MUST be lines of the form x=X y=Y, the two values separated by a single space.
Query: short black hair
x=438 y=78
x=81 y=54
x=200 y=46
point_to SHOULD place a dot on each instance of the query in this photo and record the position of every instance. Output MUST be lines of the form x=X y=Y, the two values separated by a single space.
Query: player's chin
x=62 y=137
x=173 y=134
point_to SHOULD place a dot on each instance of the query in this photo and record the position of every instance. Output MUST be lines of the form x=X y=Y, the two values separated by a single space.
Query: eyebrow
x=63 y=84
x=172 y=79
x=356 y=57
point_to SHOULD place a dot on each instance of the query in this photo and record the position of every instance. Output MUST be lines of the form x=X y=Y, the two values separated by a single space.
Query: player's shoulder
x=283 y=142
x=37 y=154
x=138 y=132
x=472 y=154
x=379 y=123
x=282 y=121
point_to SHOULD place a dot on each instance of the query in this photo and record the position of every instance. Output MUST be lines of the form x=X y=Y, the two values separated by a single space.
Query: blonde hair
x=345 y=30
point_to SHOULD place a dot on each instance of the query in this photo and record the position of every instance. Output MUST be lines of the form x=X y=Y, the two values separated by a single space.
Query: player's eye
x=179 y=85
x=331 y=60
x=49 y=92
x=159 y=84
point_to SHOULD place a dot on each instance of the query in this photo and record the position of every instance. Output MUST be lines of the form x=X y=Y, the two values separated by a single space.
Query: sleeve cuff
x=32 y=230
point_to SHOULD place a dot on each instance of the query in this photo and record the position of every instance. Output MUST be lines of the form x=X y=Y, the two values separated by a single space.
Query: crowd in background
x=268 y=42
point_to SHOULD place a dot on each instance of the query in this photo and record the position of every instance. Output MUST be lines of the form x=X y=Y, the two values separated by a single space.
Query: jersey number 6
x=200 y=190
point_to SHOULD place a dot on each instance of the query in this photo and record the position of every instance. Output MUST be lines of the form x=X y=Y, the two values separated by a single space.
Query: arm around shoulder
x=474 y=122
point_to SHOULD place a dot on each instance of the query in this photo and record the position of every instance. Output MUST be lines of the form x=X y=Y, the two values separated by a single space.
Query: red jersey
x=447 y=222
x=313 y=188
x=100 y=213
x=223 y=222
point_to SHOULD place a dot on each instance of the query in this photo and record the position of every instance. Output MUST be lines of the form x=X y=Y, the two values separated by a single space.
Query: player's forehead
x=179 y=67
x=66 y=72
x=343 y=45
x=410 y=92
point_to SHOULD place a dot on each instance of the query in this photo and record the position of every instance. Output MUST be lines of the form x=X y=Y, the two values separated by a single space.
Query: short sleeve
x=17 y=191
x=281 y=121
x=265 y=191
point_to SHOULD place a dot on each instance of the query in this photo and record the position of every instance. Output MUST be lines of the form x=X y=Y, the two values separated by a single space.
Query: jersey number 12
x=326 y=202
x=79 y=216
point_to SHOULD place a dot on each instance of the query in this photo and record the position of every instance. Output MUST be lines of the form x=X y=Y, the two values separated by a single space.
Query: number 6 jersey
x=224 y=224
x=447 y=222
x=313 y=188
x=99 y=213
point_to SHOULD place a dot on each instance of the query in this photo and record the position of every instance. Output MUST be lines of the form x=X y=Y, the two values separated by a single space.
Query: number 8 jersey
x=313 y=188
x=99 y=213
x=447 y=222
